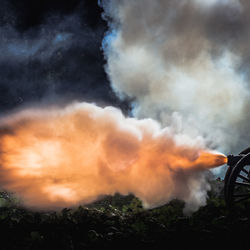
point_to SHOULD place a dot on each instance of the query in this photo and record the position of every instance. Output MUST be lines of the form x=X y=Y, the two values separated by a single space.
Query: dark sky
x=50 y=51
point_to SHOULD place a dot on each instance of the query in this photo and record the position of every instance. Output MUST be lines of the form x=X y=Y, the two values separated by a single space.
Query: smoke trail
x=57 y=157
x=183 y=62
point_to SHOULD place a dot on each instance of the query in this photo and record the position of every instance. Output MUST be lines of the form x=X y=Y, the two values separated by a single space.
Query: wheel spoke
x=243 y=178
x=242 y=199
x=243 y=184
x=245 y=171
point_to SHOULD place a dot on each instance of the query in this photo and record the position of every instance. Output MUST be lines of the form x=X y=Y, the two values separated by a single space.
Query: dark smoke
x=50 y=50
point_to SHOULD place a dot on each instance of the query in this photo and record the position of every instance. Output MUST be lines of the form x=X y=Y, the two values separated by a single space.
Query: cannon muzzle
x=233 y=159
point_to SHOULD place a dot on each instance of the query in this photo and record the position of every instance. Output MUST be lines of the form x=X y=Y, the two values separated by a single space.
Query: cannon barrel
x=233 y=159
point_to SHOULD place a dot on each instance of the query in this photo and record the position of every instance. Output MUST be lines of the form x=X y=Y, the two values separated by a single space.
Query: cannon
x=237 y=178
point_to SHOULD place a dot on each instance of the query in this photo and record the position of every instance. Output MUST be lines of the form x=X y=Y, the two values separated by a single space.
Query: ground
x=120 y=223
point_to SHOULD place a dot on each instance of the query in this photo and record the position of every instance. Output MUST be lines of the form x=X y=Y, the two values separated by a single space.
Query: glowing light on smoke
x=63 y=157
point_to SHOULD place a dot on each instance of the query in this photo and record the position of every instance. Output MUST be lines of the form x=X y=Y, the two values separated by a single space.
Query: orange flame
x=55 y=158
x=210 y=159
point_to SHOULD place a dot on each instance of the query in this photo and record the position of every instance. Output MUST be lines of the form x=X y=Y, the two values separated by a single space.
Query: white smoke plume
x=185 y=64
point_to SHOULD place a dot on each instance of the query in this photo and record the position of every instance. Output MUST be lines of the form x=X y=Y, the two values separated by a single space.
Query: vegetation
x=121 y=222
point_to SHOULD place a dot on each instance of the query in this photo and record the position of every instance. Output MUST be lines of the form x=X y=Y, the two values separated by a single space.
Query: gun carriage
x=237 y=178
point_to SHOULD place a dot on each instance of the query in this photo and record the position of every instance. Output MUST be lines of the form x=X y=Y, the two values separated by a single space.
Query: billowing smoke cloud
x=185 y=63
x=58 y=157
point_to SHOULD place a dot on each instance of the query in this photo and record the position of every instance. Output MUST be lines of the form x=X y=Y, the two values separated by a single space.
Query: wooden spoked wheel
x=237 y=181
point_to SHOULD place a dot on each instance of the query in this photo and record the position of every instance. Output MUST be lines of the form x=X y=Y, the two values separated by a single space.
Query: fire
x=63 y=157
x=211 y=159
